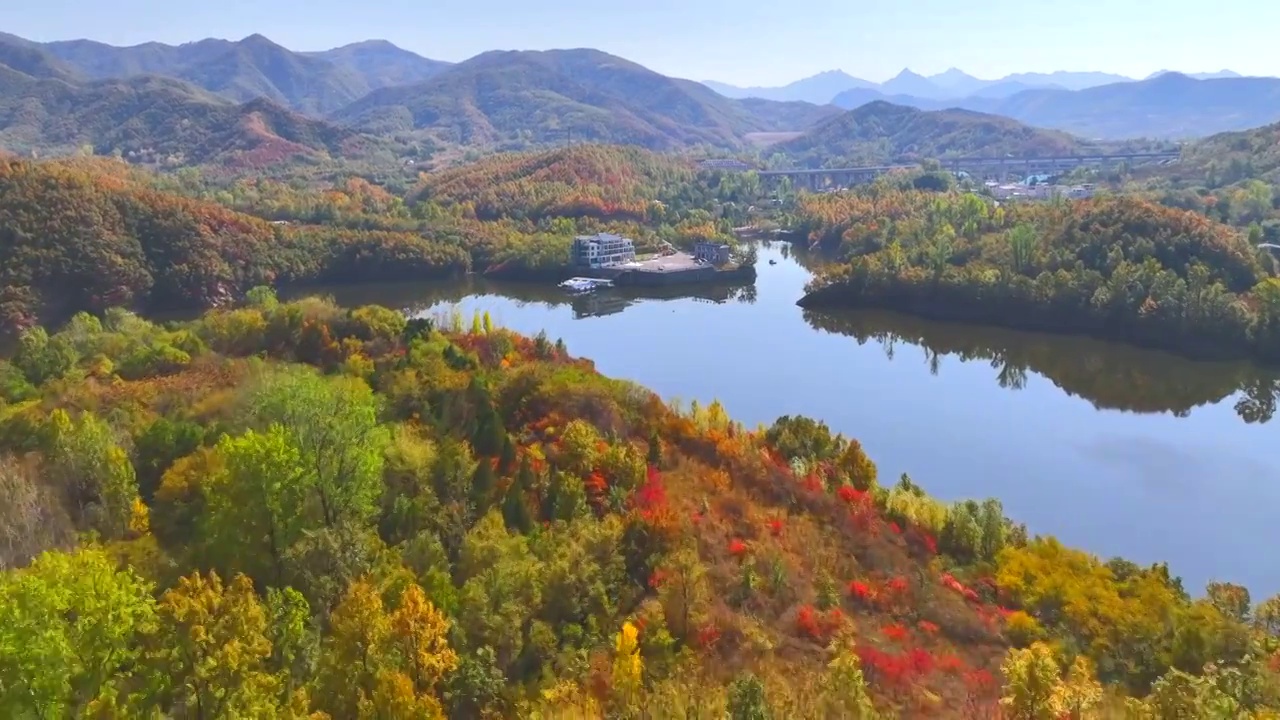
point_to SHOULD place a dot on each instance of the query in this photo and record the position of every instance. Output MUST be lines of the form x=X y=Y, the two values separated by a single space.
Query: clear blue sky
x=746 y=42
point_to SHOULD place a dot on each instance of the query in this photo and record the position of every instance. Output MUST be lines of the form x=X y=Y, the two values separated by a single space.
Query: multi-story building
x=714 y=253
x=603 y=250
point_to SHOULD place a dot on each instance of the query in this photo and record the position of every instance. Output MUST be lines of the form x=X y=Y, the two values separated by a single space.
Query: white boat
x=580 y=285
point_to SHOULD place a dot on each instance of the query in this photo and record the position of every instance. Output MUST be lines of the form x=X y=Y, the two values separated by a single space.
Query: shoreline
x=829 y=298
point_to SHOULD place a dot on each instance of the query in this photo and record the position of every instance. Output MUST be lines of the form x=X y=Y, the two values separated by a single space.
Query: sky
x=744 y=42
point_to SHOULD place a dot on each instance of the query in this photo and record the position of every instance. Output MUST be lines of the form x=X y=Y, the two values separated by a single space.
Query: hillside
x=153 y=120
x=1223 y=159
x=881 y=133
x=100 y=61
x=586 y=180
x=256 y=67
x=244 y=70
x=381 y=64
x=949 y=86
x=29 y=59
x=1169 y=106
x=1117 y=268
x=544 y=96
x=84 y=235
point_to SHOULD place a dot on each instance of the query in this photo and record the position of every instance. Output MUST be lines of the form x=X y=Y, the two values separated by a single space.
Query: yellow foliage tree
x=420 y=631
x=1077 y=697
x=844 y=689
x=628 y=667
x=1030 y=681
x=214 y=649
x=384 y=665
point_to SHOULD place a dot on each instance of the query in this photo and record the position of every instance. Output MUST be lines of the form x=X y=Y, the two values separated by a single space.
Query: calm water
x=1116 y=450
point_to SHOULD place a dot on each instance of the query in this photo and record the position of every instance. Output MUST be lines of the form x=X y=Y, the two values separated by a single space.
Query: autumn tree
x=1230 y=599
x=377 y=664
x=213 y=647
x=628 y=667
x=1031 y=679
x=1077 y=697
x=844 y=688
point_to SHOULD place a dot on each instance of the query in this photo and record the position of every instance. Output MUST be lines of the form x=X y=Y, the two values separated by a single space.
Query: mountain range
x=254 y=101
x=493 y=99
x=883 y=133
x=1168 y=105
x=949 y=85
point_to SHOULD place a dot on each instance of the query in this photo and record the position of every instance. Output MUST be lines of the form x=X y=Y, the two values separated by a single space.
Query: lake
x=1113 y=449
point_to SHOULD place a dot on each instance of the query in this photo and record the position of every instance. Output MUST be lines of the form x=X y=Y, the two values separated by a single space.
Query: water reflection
x=1110 y=376
x=416 y=298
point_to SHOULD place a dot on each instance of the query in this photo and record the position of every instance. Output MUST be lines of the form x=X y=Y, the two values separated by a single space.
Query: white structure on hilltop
x=603 y=250
x=1020 y=191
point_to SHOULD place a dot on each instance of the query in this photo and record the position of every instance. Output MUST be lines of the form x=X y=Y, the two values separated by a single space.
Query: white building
x=602 y=250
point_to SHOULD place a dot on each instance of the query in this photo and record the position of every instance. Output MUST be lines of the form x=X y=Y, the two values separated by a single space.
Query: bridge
x=1024 y=165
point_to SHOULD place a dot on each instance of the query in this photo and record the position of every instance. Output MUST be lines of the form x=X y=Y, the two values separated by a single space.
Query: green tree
x=685 y=593
x=1022 y=246
x=747 y=700
x=502 y=585
x=256 y=507
x=94 y=472
x=295 y=642
x=158 y=447
x=334 y=425
x=515 y=505
x=71 y=626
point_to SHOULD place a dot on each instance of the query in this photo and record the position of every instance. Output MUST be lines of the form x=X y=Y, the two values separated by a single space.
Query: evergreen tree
x=482 y=483
x=515 y=507
x=655 y=449
x=507 y=457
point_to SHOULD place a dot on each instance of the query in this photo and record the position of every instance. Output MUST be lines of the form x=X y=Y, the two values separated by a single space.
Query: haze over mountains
x=952 y=84
x=255 y=101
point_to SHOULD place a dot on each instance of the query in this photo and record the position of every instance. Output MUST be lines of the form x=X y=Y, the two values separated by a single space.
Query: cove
x=1113 y=449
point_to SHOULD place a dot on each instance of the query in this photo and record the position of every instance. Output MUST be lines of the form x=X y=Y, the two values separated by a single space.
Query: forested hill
x=1119 y=268
x=883 y=133
x=546 y=96
x=1230 y=157
x=159 y=121
x=586 y=180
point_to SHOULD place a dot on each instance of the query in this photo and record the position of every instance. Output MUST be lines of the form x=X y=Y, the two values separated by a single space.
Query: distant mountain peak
x=908 y=74
x=375 y=43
